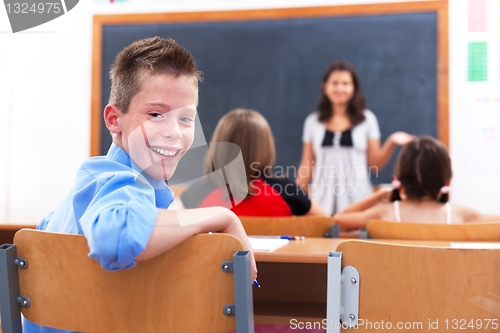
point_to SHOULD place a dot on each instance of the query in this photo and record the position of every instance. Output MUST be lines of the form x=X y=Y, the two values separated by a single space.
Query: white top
x=397 y=213
x=340 y=175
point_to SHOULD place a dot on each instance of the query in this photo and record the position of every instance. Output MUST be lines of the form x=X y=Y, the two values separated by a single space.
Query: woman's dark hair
x=423 y=167
x=357 y=104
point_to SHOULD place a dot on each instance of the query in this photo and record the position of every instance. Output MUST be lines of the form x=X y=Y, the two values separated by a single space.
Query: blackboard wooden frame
x=439 y=7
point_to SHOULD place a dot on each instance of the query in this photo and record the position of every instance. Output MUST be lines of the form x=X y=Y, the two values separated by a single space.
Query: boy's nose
x=172 y=130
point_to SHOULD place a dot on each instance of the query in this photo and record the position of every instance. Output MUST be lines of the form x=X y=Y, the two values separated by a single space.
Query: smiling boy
x=119 y=201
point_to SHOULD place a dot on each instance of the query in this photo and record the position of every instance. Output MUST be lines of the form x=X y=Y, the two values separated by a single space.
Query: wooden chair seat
x=477 y=231
x=181 y=290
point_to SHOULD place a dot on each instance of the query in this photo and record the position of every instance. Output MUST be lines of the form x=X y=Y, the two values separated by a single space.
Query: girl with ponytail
x=420 y=191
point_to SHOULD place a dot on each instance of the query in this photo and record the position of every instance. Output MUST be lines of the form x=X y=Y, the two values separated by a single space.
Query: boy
x=119 y=200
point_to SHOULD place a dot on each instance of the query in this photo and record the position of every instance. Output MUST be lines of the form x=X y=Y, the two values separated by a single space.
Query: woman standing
x=341 y=143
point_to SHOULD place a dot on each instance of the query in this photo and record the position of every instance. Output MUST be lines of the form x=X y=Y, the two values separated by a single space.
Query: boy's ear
x=111 y=115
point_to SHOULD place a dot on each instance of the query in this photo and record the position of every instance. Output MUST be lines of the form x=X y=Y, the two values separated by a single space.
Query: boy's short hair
x=146 y=57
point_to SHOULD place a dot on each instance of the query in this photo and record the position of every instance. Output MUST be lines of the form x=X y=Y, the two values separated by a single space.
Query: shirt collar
x=162 y=192
x=116 y=153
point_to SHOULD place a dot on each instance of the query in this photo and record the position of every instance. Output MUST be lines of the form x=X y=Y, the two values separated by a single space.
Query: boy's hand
x=235 y=228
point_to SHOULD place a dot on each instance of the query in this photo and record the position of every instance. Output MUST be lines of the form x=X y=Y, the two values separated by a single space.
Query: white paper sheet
x=267 y=244
x=468 y=245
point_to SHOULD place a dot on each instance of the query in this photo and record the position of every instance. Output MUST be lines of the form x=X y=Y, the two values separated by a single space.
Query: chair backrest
x=477 y=231
x=308 y=226
x=425 y=289
x=182 y=290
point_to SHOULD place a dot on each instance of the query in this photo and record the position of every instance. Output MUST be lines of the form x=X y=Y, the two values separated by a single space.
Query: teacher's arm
x=378 y=155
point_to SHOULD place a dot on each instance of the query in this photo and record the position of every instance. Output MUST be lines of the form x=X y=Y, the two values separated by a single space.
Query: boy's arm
x=175 y=226
x=122 y=224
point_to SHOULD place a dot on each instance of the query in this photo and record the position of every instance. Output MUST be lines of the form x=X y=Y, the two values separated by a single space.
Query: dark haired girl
x=419 y=193
x=340 y=141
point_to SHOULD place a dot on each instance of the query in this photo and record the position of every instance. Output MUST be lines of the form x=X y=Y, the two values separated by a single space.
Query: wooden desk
x=293 y=279
x=7 y=232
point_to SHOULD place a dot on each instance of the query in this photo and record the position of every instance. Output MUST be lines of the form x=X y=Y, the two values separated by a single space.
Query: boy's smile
x=164 y=152
x=158 y=128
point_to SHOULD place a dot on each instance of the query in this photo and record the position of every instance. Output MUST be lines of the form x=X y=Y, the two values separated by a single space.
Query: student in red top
x=256 y=192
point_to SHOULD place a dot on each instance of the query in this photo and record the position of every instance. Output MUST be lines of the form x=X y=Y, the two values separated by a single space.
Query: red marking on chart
x=477 y=15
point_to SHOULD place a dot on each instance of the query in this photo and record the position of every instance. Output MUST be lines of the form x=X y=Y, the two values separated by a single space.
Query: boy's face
x=158 y=128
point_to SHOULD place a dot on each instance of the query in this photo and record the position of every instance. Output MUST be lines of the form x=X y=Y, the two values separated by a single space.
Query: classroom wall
x=474 y=122
x=44 y=105
x=45 y=96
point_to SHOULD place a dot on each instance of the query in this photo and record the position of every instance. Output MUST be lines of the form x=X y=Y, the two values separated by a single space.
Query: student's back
x=252 y=193
x=431 y=212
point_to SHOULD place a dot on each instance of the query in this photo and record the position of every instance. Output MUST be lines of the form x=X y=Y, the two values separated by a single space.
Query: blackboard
x=274 y=65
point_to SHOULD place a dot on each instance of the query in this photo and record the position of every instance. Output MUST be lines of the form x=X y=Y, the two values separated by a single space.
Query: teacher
x=341 y=148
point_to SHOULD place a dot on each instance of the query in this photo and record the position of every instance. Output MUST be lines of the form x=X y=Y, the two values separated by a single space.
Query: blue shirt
x=114 y=206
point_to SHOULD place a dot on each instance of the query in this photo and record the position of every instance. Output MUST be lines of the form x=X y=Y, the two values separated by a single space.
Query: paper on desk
x=266 y=244
x=468 y=245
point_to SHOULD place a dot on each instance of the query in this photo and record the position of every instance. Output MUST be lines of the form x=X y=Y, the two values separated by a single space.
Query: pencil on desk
x=281 y=237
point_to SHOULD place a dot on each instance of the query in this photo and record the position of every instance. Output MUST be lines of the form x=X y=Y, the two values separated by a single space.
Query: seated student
x=256 y=192
x=248 y=189
x=119 y=201
x=420 y=191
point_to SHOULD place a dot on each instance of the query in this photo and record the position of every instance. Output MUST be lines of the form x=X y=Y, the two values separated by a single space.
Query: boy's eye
x=186 y=119
x=155 y=114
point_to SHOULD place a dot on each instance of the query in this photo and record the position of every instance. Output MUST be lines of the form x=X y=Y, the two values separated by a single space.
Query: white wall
x=45 y=103
x=476 y=163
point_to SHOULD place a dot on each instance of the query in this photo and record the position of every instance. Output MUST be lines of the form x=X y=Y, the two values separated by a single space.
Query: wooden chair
x=308 y=226
x=7 y=232
x=183 y=290
x=477 y=231
x=405 y=288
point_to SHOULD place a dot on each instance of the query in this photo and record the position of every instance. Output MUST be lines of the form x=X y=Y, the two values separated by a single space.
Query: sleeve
x=43 y=223
x=307 y=132
x=373 y=128
x=294 y=196
x=118 y=219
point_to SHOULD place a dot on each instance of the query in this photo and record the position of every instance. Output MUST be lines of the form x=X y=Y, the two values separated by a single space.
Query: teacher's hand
x=401 y=138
